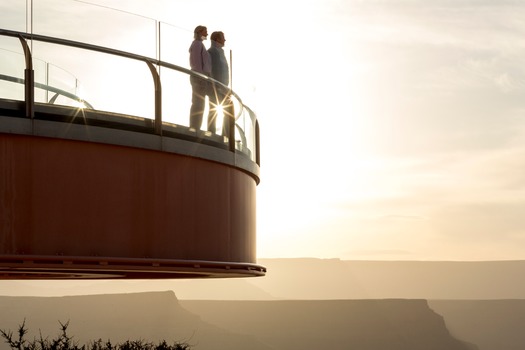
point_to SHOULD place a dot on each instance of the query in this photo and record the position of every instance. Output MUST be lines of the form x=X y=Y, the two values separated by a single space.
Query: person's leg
x=228 y=122
x=198 y=97
x=213 y=102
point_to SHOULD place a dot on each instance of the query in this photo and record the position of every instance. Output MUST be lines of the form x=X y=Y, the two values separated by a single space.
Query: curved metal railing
x=154 y=68
x=57 y=92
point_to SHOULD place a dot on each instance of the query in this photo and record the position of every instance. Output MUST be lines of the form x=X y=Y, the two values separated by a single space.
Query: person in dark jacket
x=219 y=96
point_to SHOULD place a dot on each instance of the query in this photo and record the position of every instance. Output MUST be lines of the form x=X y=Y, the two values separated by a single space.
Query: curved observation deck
x=87 y=193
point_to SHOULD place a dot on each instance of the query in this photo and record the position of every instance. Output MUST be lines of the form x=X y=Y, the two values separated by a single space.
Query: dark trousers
x=199 y=89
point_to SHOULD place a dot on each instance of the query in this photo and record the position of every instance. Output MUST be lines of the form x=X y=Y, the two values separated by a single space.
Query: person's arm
x=195 y=56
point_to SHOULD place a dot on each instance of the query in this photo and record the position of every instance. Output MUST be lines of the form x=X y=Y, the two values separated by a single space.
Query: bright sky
x=390 y=129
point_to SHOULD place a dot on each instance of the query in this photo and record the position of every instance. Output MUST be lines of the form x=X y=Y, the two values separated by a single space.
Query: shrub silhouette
x=65 y=342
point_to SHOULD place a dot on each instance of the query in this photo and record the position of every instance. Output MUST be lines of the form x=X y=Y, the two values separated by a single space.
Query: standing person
x=219 y=95
x=199 y=62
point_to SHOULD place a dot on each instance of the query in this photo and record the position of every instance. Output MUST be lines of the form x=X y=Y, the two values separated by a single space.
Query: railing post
x=230 y=120
x=257 y=144
x=158 y=98
x=29 y=80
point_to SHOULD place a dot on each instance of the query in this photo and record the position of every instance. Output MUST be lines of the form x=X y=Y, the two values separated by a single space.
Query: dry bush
x=65 y=342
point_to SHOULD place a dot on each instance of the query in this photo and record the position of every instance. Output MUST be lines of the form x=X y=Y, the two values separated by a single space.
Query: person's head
x=200 y=32
x=218 y=37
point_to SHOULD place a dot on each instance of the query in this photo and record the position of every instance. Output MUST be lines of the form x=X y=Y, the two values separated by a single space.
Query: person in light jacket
x=200 y=62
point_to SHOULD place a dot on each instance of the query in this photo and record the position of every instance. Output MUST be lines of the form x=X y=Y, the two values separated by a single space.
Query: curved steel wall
x=116 y=210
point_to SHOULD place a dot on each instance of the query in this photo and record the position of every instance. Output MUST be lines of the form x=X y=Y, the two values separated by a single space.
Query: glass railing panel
x=96 y=25
x=108 y=82
x=176 y=97
x=65 y=81
x=245 y=137
x=12 y=66
x=40 y=73
x=174 y=44
x=13 y=15
x=55 y=85
x=251 y=138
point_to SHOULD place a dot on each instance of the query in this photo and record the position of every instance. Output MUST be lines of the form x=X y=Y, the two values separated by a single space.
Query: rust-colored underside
x=74 y=209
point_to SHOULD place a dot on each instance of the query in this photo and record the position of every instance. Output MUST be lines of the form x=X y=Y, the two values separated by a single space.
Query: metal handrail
x=102 y=49
x=57 y=91
x=151 y=63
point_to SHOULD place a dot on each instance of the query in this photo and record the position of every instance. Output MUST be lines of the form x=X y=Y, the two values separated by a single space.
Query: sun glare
x=79 y=104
